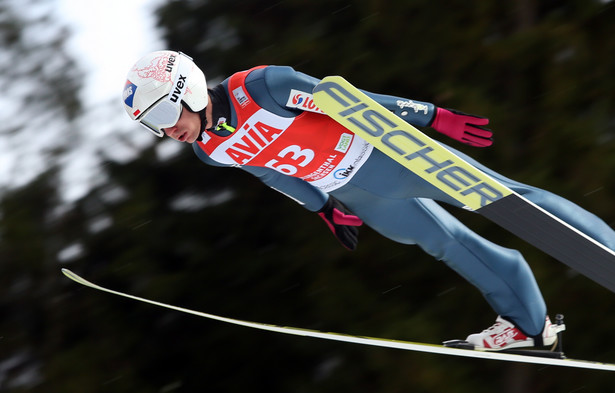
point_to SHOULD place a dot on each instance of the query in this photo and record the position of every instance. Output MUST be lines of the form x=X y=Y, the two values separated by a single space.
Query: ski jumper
x=304 y=154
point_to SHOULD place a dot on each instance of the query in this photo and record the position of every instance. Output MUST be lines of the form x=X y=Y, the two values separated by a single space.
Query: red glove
x=341 y=222
x=463 y=127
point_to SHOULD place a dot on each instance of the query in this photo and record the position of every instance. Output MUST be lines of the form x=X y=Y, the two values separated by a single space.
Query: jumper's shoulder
x=278 y=82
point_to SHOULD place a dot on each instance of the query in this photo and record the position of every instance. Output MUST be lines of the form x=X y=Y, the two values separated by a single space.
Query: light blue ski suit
x=402 y=206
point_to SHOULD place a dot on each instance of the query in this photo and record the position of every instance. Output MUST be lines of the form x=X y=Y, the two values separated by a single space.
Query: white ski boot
x=504 y=335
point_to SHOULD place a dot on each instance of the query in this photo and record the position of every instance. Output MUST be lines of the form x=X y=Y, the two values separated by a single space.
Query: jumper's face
x=188 y=127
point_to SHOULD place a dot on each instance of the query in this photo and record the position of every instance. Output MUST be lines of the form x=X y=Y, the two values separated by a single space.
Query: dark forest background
x=217 y=240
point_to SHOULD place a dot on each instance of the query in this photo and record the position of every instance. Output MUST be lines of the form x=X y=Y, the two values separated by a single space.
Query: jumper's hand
x=341 y=222
x=465 y=128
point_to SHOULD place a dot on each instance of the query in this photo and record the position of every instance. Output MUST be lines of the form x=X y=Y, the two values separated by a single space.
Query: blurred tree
x=37 y=70
x=40 y=83
x=39 y=90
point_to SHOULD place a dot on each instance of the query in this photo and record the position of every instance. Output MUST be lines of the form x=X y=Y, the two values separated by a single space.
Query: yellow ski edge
x=378 y=342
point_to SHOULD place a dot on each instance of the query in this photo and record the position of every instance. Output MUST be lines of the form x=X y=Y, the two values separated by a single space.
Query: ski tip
x=70 y=275
x=77 y=278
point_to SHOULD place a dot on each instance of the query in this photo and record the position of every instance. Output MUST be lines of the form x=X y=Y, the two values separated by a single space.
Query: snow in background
x=106 y=38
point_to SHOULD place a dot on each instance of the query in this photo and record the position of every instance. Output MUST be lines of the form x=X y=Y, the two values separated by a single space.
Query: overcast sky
x=107 y=37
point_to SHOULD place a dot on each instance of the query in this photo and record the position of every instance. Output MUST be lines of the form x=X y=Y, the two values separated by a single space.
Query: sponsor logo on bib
x=301 y=100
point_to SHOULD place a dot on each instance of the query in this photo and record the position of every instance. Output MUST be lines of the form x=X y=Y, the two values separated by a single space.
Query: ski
x=462 y=181
x=378 y=342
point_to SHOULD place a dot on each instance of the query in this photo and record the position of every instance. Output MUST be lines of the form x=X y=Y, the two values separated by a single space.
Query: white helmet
x=158 y=84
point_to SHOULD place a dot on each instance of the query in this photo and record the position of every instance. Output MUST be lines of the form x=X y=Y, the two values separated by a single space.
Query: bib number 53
x=291 y=157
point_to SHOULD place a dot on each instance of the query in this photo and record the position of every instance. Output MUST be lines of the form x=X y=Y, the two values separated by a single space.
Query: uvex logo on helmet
x=179 y=86
x=170 y=63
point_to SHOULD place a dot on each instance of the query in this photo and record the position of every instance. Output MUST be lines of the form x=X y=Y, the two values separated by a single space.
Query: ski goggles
x=165 y=112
